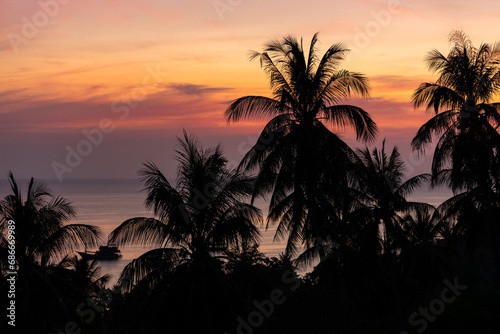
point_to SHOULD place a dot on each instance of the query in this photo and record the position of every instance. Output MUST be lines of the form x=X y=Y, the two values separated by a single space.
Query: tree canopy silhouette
x=300 y=160
x=466 y=119
x=47 y=288
x=205 y=211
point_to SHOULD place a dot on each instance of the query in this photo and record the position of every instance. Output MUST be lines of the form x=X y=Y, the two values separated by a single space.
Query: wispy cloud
x=198 y=90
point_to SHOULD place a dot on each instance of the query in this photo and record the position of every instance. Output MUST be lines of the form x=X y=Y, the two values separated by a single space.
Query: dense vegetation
x=385 y=264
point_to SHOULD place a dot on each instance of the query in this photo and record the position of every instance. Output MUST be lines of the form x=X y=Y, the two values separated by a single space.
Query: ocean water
x=107 y=203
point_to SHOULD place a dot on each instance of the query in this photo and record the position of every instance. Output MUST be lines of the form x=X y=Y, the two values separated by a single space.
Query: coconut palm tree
x=206 y=211
x=204 y=214
x=466 y=118
x=381 y=183
x=42 y=237
x=301 y=162
x=46 y=299
x=385 y=192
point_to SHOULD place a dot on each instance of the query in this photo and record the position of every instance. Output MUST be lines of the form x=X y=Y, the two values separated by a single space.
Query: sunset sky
x=146 y=69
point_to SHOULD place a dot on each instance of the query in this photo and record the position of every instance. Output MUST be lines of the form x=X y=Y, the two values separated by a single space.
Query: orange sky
x=152 y=67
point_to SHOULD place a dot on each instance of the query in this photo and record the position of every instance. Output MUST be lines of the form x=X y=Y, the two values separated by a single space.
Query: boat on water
x=108 y=252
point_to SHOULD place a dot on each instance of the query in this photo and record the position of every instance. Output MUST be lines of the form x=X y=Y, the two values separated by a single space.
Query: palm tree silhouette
x=42 y=240
x=300 y=160
x=385 y=193
x=466 y=155
x=466 y=118
x=206 y=211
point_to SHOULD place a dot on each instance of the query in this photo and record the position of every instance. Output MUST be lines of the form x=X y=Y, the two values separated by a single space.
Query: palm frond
x=409 y=186
x=436 y=97
x=141 y=231
x=157 y=264
x=257 y=107
x=435 y=126
x=68 y=238
x=345 y=116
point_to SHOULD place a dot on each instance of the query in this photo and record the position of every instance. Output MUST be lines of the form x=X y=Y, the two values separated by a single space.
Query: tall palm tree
x=46 y=299
x=301 y=161
x=466 y=117
x=204 y=213
x=381 y=182
x=467 y=120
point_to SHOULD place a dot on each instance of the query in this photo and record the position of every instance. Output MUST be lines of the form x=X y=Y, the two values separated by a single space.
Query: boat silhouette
x=108 y=252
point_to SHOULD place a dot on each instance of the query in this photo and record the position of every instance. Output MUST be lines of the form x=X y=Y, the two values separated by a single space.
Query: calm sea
x=107 y=203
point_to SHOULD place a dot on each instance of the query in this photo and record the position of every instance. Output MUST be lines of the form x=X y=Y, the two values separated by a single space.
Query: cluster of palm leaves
x=466 y=157
x=51 y=281
x=348 y=209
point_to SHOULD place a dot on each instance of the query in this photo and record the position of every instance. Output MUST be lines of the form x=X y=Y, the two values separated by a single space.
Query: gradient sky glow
x=91 y=57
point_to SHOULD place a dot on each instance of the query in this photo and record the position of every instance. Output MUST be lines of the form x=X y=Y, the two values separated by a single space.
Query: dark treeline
x=385 y=264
